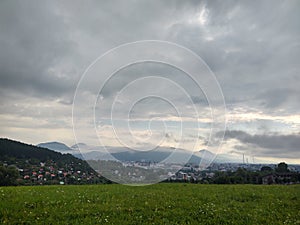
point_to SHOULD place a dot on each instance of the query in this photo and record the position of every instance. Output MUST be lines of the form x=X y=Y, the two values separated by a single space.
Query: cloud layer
x=253 y=47
x=268 y=145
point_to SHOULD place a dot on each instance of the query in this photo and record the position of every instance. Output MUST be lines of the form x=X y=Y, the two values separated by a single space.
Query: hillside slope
x=11 y=151
x=36 y=165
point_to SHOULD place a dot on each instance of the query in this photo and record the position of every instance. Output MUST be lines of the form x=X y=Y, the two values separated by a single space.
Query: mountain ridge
x=11 y=149
x=55 y=146
x=87 y=152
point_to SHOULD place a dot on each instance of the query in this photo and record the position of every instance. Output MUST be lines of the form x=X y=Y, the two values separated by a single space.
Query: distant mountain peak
x=78 y=145
x=204 y=151
x=205 y=154
x=55 y=146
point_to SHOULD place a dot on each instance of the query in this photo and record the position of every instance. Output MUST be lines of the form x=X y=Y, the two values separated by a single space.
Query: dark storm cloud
x=272 y=145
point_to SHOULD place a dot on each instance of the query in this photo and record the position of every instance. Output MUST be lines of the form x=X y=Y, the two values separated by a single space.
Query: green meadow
x=164 y=203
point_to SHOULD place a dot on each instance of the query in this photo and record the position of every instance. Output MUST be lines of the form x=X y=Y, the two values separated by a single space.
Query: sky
x=252 y=49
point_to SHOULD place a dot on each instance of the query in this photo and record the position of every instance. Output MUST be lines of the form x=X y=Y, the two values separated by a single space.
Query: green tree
x=282 y=168
x=8 y=175
x=266 y=169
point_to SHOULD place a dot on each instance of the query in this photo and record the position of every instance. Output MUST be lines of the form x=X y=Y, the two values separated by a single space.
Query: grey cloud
x=272 y=145
x=33 y=41
x=252 y=47
x=66 y=37
x=249 y=42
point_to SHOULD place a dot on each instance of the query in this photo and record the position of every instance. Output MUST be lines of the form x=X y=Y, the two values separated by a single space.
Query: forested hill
x=11 y=151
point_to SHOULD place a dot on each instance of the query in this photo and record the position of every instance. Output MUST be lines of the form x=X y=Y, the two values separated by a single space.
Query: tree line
x=267 y=175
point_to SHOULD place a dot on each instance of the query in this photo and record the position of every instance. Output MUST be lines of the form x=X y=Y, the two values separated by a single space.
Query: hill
x=180 y=156
x=56 y=146
x=124 y=155
x=84 y=151
x=10 y=149
x=37 y=165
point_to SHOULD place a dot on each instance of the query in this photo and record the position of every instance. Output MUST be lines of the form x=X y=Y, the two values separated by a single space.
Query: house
x=268 y=179
x=182 y=176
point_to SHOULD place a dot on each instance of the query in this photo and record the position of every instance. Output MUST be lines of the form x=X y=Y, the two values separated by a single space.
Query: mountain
x=180 y=156
x=35 y=165
x=19 y=150
x=82 y=147
x=205 y=153
x=12 y=151
x=219 y=158
x=78 y=145
x=161 y=154
x=88 y=152
x=94 y=155
x=56 y=146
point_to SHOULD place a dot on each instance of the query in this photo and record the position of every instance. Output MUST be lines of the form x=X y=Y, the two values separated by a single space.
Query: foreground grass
x=155 y=204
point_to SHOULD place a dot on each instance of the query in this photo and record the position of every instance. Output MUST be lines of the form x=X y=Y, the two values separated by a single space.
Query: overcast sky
x=252 y=47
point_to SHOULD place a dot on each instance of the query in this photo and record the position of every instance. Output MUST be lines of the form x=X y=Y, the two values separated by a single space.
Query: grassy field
x=155 y=204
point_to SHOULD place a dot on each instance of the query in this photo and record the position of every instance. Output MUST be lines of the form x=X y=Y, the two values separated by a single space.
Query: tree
x=266 y=169
x=8 y=175
x=282 y=168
